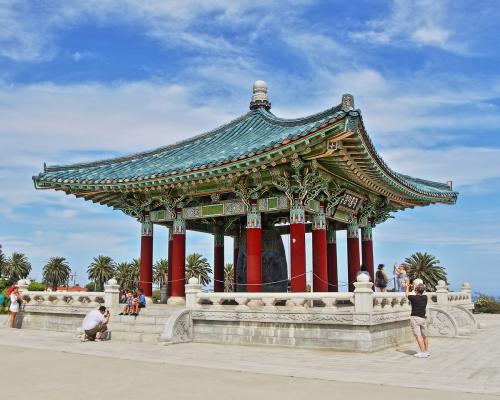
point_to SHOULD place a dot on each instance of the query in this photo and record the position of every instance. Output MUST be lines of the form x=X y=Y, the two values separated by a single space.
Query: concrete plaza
x=56 y=365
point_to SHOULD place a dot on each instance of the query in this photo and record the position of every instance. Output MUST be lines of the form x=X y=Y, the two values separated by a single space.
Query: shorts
x=418 y=326
x=142 y=305
x=91 y=333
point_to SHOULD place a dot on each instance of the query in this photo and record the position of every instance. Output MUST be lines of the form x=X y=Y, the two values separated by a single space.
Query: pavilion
x=256 y=178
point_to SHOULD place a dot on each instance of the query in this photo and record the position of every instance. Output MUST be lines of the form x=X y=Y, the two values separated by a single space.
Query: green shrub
x=36 y=287
x=3 y=284
x=486 y=304
x=156 y=296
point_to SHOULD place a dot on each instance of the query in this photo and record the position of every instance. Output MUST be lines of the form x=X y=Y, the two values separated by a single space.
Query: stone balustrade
x=394 y=301
x=69 y=302
x=326 y=302
x=65 y=302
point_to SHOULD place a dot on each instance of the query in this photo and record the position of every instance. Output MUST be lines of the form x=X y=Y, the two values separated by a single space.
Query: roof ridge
x=301 y=120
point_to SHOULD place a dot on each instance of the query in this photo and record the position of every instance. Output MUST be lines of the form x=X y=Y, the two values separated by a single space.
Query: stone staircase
x=146 y=327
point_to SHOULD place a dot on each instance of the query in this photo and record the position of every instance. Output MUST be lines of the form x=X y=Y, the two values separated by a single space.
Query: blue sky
x=84 y=80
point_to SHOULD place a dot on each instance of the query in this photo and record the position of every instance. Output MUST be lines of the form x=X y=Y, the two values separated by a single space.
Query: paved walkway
x=456 y=369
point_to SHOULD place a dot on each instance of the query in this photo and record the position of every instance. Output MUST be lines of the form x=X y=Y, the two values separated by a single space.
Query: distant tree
x=426 y=267
x=2 y=260
x=127 y=275
x=197 y=266
x=92 y=287
x=101 y=269
x=229 y=277
x=56 y=272
x=16 y=267
x=160 y=272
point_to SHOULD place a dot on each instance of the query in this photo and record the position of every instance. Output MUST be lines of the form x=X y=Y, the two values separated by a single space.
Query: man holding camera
x=418 y=323
x=95 y=324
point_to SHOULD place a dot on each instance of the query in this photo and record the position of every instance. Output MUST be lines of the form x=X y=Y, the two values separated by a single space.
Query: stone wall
x=335 y=337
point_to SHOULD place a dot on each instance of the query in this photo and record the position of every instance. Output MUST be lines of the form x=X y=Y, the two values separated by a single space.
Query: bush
x=94 y=287
x=156 y=296
x=3 y=284
x=36 y=287
x=486 y=304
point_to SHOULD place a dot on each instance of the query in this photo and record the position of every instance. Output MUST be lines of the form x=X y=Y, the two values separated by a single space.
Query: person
x=381 y=278
x=127 y=310
x=418 y=323
x=142 y=299
x=135 y=305
x=362 y=270
x=95 y=324
x=15 y=303
x=400 y=273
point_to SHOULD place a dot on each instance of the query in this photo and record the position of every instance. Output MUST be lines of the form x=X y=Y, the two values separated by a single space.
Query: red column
x=353 y=261
x=170 y=246
x=298 y=249
x=333 y=279
x=236 y=252
x=320 y=271
x=367 y=250
x=254 y=249
x=179 y=256
x=146 y=266
x=219 y=261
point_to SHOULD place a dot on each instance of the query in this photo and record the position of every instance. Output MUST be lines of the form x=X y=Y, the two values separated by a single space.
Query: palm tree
x=160 y=272
x=56 y=272
x=426 y=267
x=229 y=277
x=16 y=267
x=101 y=269
x=127 y=274
x=197 y=266
x=2 y=260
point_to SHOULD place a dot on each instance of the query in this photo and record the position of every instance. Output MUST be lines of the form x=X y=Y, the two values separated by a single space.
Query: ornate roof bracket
x=304 y=184
x=245 y=192
x=170 y=202
x=135 y=203
x=334 y=194
x=366 y=213
x=382 y=211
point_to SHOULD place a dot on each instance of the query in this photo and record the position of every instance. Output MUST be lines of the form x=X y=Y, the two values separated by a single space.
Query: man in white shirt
x=95 y=323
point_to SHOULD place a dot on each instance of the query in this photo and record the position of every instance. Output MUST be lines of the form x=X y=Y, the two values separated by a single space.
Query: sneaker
x=427 y=354
x=419 y=355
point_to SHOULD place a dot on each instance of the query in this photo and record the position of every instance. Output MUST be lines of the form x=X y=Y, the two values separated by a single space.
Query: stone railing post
x=163 y=294
x=23 y=285
x=363 y=294
x=467 y=290
x=112 y=293
x=192 y=290
x=442 y=293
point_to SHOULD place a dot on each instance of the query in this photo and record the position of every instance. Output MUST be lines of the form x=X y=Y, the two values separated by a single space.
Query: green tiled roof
x=253 y=133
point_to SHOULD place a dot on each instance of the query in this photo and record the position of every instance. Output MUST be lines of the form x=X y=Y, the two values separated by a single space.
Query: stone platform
x=459 y=368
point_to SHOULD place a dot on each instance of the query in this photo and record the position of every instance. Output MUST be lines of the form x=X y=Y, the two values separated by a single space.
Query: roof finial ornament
x=259 y=96
x=347 y=102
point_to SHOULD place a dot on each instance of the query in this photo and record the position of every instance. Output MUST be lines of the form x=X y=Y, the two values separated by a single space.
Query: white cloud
x=418 y=23
x=27 y=33
x=466 y=166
